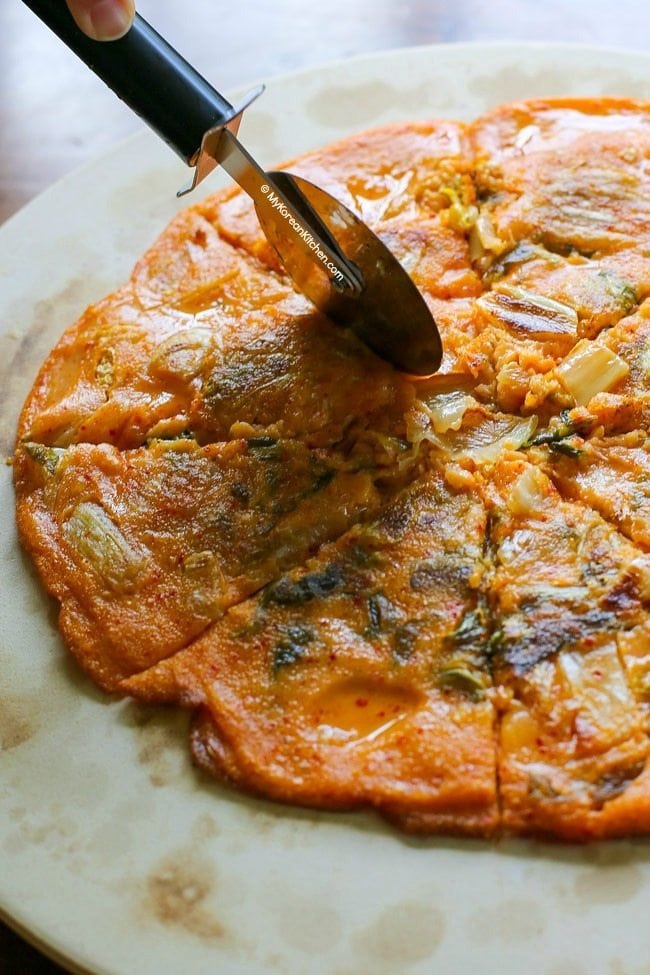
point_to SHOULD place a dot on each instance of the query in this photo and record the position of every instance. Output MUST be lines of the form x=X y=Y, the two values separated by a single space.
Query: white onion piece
x=95 y=537
x=485 y=442
x=448 y=409
x=590 y=369
x=487 y=235
x=530 y=492
x=183 y=354
x=640 y=568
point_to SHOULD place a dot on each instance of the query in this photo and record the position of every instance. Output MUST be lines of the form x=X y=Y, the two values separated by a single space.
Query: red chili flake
x=597 y=673
x=361 y=702
x=539 y=742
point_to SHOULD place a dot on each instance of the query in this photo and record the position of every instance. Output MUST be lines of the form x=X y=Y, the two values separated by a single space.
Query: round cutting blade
x=385 y=309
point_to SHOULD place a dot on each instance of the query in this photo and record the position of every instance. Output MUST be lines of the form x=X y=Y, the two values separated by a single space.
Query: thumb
x=103 y=20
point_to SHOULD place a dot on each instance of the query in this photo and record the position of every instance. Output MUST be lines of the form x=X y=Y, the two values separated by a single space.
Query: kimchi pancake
x=609 y=474
x=534 y=316
x=405 y=171
x=564 y=198
x=604 y=384
x=428 y=597
x=566 y=584
x=134 y=360
x=361 y=678
x=304 y=379
x=600 y=291
x=412 y=184
x=145 y=548
x=209 y=333
x=571 y=174
x=124 y=376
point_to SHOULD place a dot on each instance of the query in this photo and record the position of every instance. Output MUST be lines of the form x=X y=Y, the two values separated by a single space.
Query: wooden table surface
x=54 y=115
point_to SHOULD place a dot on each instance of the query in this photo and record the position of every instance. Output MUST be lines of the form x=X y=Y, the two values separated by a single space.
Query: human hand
x=103 y=20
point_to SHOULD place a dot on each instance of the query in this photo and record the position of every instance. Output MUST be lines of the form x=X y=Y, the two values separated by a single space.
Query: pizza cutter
x=331 y=255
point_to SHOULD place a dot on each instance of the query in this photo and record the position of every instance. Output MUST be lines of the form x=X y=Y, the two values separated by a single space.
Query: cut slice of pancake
x=124 y=375
x=566 y=585
x=600 y=291
x=561 y=236
x=145 y=548
x=209 y=334
x=567 y=173
x=361 y=678
x=412 y=184
x=134 y=360
x=604 y=384
x=304 y=379
x=609 y=474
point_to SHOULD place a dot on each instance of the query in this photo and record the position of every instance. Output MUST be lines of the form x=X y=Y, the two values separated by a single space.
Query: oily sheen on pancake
x=430 y=598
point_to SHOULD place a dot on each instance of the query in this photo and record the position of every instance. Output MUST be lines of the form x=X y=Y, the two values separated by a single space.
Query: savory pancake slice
x=127 y=373
x=561 y=233
x=609 y=474
x=302 y=378
x=570 y=174
x=135 y=360
x=566 y=585
x=209 y=334
x=598 y=292
x=517 y=343
x=361 y=678
x=406 y=170
x=145 y=548
x=561 y=237
x=603 y=384
x=412 y=184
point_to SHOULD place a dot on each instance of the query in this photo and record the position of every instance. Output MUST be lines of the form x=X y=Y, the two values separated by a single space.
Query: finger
x=103 y=20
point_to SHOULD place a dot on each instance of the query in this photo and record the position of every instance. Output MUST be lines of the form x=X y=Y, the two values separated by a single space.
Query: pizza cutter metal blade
x=331 y=255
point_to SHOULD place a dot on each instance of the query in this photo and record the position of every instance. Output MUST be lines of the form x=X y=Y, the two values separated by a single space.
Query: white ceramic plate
x=115 y=854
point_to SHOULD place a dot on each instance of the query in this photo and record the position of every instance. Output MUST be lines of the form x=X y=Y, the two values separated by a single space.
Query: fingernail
x=110 y=19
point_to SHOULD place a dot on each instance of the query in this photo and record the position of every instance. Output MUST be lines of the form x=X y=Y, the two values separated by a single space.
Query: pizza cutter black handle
x=149 y=75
